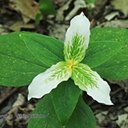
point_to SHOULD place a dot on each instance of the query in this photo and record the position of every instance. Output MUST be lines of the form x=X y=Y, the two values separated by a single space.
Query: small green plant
x=75 y=45
x=46 y=7
x=61 y=71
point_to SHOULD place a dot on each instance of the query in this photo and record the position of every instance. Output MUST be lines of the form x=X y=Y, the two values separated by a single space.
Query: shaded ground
x=13 y=101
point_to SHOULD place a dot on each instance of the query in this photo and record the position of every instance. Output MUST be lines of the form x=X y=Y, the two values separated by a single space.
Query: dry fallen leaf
x=78 y=4
x=28 y=8
x=101 y=116
x=121 y=5
x=111 y=16
x=116 y=23
x=9 y=117
x=2 y=30
x=123 y=121
x=57 y=30
x=17 y=26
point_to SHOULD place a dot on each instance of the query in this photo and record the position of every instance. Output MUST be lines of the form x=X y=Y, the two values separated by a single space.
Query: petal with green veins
x=92 y=83
x=77 y=38
x=44 y=82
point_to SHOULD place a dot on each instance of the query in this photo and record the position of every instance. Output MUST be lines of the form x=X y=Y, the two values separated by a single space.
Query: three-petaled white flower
x=75 y=45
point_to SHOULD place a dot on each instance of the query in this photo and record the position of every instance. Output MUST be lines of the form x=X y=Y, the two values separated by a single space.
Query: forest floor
x=107 y=13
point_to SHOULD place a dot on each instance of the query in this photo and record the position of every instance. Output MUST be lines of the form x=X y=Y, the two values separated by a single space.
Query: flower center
x=71 y=64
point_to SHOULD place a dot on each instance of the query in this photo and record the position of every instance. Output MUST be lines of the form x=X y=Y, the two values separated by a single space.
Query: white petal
x=90 y=81
x=48 y=80
x=79 y=25
x=101 y=91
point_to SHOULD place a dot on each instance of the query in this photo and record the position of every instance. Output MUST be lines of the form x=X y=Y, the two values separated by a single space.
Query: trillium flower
x=75 y=45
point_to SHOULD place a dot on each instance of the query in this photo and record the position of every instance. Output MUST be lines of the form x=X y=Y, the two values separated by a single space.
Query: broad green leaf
x=25 y=55
x=64 y=100
x=46 y=116
x=56 y=107
x=46 y=49
x=47 y=7
x=116 y=68
x=82 y=117
x=108 y=52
